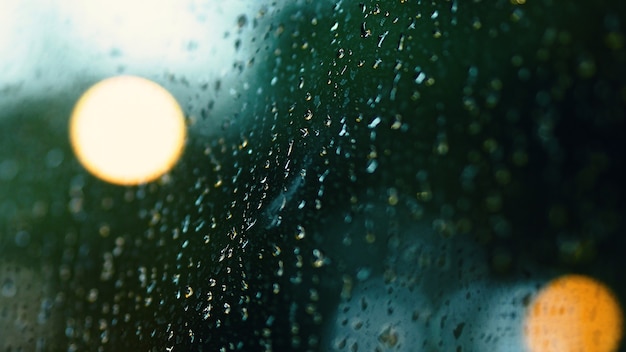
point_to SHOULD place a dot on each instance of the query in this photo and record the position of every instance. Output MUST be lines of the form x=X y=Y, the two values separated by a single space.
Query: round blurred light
x=574 y=313
x=127 y=130
x=379 y=316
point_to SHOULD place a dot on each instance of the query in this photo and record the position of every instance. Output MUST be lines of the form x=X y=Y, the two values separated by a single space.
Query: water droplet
x=9 y=289
x=371 y=166
x=188 y=291
x=301 y=233
x=22 y=239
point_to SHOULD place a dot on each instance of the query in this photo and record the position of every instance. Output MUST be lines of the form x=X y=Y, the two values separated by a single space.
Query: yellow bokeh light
x=127 y=130
x=573 y=313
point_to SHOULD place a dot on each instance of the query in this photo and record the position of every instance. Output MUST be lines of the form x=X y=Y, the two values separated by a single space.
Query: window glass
x=356 y=176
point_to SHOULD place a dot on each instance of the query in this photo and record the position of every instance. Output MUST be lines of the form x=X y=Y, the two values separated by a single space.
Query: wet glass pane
x=356 y=176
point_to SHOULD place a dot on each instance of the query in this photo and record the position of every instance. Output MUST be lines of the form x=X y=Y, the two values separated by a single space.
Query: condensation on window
x=357 y=176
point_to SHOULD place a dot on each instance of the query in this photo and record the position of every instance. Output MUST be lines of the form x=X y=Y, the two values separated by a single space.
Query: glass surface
x=357 y=176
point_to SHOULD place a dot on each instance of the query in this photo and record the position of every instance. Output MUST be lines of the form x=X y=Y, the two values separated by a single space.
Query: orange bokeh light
x=573 y=313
